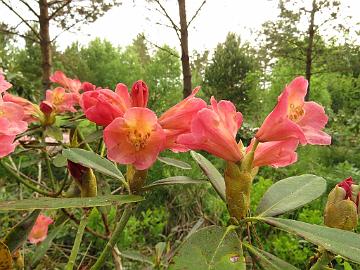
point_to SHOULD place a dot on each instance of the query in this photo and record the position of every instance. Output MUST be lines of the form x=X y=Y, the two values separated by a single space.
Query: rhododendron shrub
x=86 y=136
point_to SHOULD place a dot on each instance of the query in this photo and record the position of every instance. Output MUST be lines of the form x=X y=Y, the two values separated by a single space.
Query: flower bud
x=86 y=86
x=84 y=178
x=341 y=209
x=139 y=94
x=49 y=116
x=136 y=178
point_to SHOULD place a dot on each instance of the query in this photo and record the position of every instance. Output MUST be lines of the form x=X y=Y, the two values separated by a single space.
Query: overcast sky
x=217 y=17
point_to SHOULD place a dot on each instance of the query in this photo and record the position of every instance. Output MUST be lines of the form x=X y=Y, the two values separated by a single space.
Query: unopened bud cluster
x=342 y=208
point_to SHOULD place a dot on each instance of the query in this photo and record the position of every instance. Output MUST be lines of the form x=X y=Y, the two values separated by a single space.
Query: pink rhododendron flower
x=4 y=85
x=136 y=138
x=39 y=231
x=292 y=117
x=275 y=154
x=60 y=78
x=139 y=94
x=7 y=145
x=31 y=110
x=214 y=130
x=11 y=119
x=177 y=120
x=102 y=106
x=61 y=101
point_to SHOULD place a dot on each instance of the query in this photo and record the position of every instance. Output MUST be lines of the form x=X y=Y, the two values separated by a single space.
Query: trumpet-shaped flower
x=4 y=85
x=292 y=117
x=275 y=154
x=31 y=110
x=73 y=85
x=11 y=119
x=39 y=231
x=7 y=144
x=86 y=86
x=102 y=106
x=136 y=138
x=177 y=120
x=214 y=130
x=61 y=101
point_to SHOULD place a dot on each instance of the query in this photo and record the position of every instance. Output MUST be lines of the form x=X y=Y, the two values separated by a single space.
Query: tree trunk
x=185 y=61
x=309 y=49
x=45 y=45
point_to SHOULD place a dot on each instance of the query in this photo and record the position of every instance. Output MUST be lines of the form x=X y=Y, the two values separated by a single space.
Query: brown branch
x=20 y=35
x=197 y=12
x=67 y=28
x=30 y=8
x=161 y=48
x=67 y=2
x=176 y=28
x=21 y=18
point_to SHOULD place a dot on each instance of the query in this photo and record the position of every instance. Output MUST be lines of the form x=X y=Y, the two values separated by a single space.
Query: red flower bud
x=139 y=94
x=76 y=170
x=86 y=86
x=46 y=108
x=346 y=185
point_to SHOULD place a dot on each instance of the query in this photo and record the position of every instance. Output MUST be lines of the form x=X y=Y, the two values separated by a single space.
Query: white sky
x=217 y=17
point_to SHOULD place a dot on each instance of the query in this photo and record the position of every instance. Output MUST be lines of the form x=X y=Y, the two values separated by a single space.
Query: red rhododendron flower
x=4 y=85
x=177 y=120
x=102 y=106
x=136 y=138
x=292 y=117
x=60 y=78
x=31 y=110
x=39 y=231
x=214 y=130
x=7 y=145
x=275 y=154
x=61 y=101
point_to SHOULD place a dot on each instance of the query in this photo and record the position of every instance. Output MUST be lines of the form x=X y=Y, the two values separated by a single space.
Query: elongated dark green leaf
x=344 y=243
x=175 y=162
x=175 y=180
x=291 y=193
x=43 y=247
x=59 y=161
x=267 y=260
x=54 y=132
x=212 y=173
x=136 y=256
x=94 y=161
x=19 y=233
x=211 y=248
x=57 y=203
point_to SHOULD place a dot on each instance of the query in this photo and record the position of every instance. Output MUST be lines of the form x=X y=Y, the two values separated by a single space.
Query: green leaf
x=59 y=161
x=267 y=260
x=136 y=256
x=211 y=248
x=19 y=233
x=344 y=243
x=175 y=162
x=43 y=247
x=54 y=132
x=175 y=180
x=94 y=161
x=58 y=203
x=212 y=173
x=94 y=136
x=291 y=193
